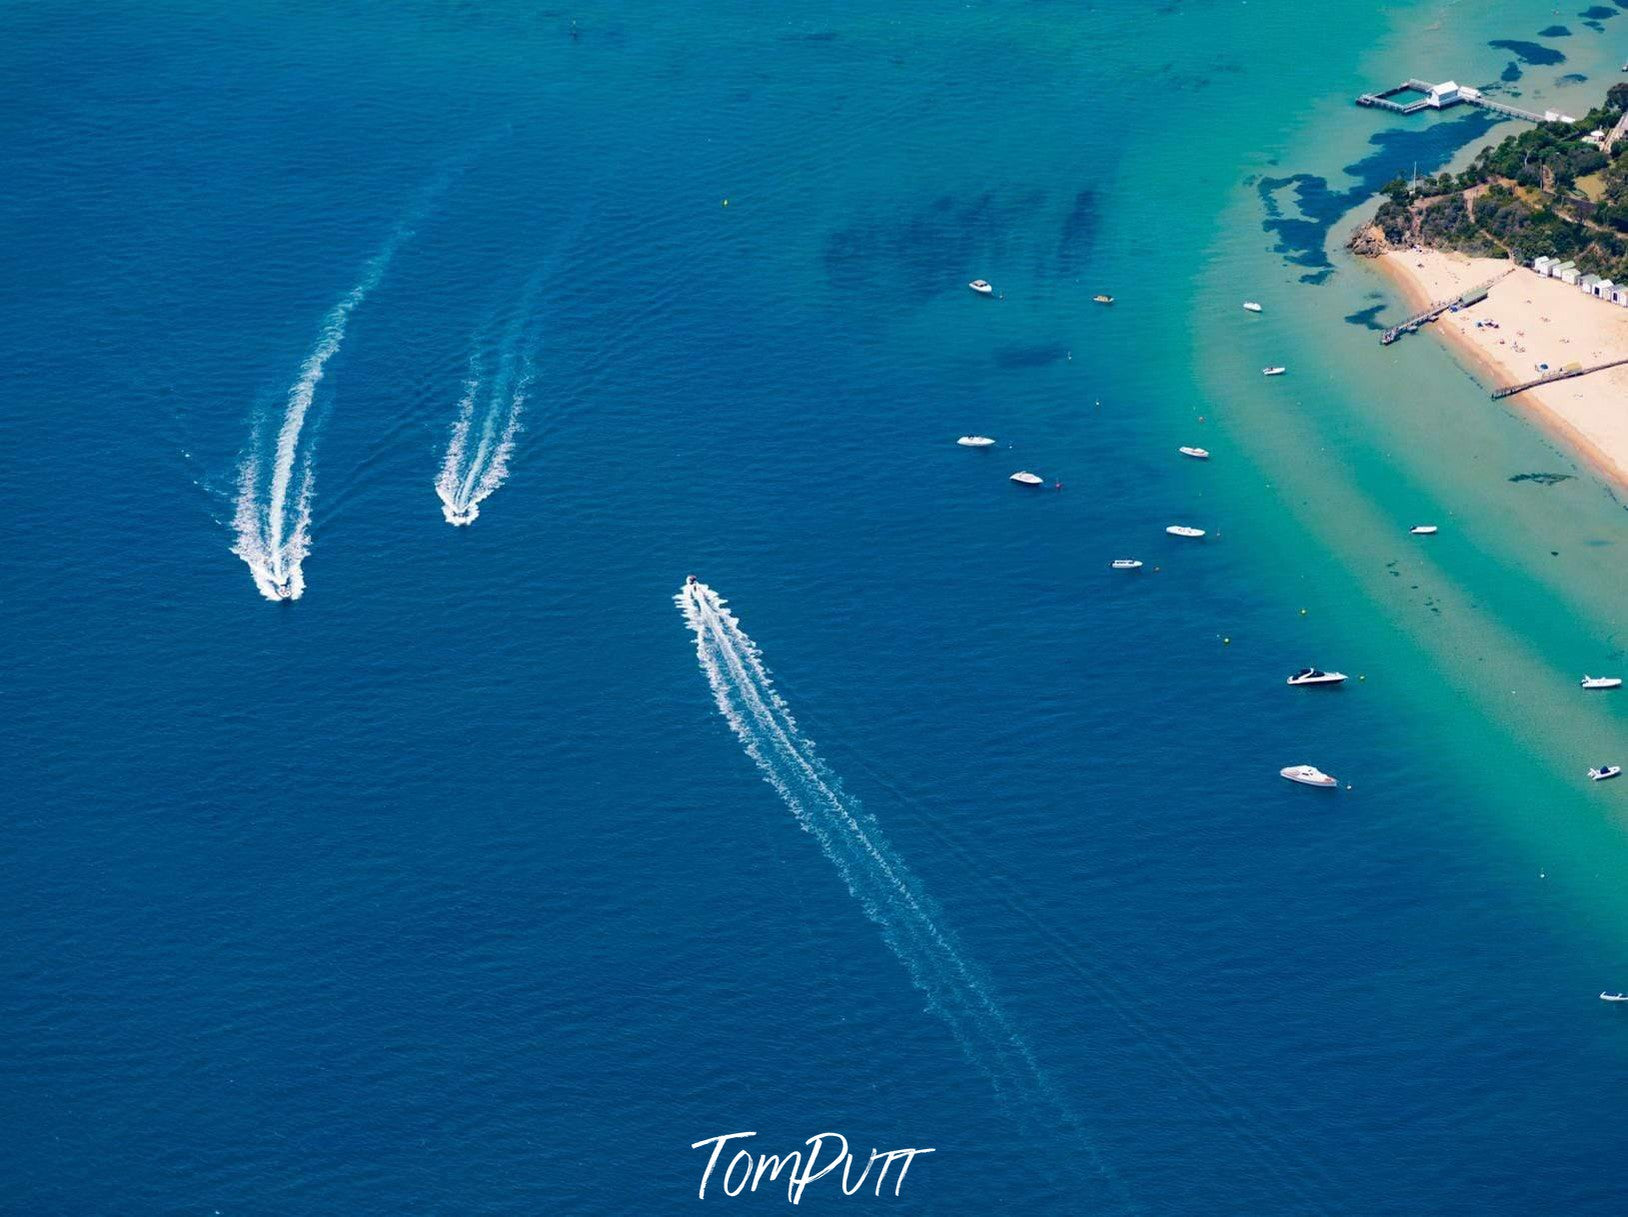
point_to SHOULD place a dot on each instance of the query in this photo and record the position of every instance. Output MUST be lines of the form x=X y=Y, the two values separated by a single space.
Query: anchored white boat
x=1102 y=298
x=1198 y=454
x=1423 y=530
x=1184 y=530
x=976 y=441
x=982 y=287
x=1251 y=307
x=1274 y=370
x=1602 y=682
x=1614 y=996
x=1603 y=772
x=1024 y=477
x=1126 y=564
x=1307 y=775
x=1315 y=676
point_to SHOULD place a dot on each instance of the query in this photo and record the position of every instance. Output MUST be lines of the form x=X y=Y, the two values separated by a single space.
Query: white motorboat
x=1184 y=530
x=1025 y=478
x=982 y=287
x=1614 y=996
x=1423 y=530
x=1603 y=772
x=1126 y=564
x=976 y=441
x=1273 y=371
x=1102 y=298
x=1251 y=307
x=1602 y=682
x=1307 y=775
x=1198 y=454
x=1315 y=676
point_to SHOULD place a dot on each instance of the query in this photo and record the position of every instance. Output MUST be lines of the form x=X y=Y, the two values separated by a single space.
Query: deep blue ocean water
x=447 y=889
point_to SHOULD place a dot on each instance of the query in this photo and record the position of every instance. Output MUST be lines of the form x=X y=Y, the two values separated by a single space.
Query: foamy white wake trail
x=272 y=522
x=483 y=434
x=890 y=895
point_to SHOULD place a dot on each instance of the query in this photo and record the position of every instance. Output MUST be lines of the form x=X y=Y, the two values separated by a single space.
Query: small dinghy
x=1602 y=682
x=1103 y=299
x=982 y=287
x=1198 y=454
x=1307 y=775
x=1184 y=530
x=1423 y=530
x=1025 y=478
x=1604 y=772
x=1614 y=997
x=1273 y=371
x=1126 y=564
x=976 y=441
x=1314 y=676
x=1251 y=307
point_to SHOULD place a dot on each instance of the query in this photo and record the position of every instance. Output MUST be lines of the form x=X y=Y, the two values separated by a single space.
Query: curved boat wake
x=889 y=893
x=272 y=521
x=488 y=415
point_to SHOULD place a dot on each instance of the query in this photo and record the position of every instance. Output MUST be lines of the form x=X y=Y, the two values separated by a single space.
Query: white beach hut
x=1604 y=288
x=1568 y=275
x=1587 y=282
x=1542 y=263
x=1619 y=295
x=1558 y=268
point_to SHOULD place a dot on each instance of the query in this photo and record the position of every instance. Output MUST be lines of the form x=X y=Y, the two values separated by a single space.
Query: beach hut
x=1542 y=263
x=1568 y=275
x=1619 y=295
x=1603 y=289
x=1558 y=268
x=1587 y=282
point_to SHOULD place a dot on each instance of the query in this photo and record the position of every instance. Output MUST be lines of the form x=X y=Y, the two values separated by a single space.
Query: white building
x=1587 y=282
x=1604 y=288
x=1558 y=268
x=1444 y=94
x=1542 y=263
x=1568 y=275
x=1619 y=295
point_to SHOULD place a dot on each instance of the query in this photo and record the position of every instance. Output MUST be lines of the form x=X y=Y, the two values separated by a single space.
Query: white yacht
x=982 y=287
x=1126 y=564
x=1614 y=996
x=1602 y=682
x=1198 y=454
x=1307 y=775
x=1251 y=307
x=1423 y=530
x=1603 y=772
x=976 y=441
x=1184 y=530
x=1025 y=478
x=1273 y=371
x=1315 y=676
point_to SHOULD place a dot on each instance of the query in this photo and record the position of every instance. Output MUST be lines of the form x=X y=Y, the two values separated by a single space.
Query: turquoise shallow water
x=448 y=888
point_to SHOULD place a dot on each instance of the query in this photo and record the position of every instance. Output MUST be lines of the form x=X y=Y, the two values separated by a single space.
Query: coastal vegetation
x=1550 y=189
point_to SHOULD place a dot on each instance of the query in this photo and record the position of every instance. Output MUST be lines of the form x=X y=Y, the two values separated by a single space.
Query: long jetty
x=1563 y=374
x=1438 y=308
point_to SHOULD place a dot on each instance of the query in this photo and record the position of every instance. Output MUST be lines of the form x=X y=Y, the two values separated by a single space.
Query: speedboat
x=1273 y=371
x=1102 y=299
x=976 y=441
x=1126 y=564
x=1313 y=676
x=1423 y=530
x=1614 y=997
x=1184 y=530
x=1603 y=772
x=283 y=589
x=1307 y=775
x=1200 y=454
x=1602 y=682
x=1251 y=307
x=1025 y=478
x=689 y=580
x=461 y=517
x=982 y=287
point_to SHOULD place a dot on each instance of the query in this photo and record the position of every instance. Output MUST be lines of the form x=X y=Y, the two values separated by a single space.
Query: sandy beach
x=1535 y=320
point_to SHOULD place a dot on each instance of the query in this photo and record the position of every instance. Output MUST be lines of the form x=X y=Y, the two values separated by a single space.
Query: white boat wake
x=272 y=522
x=890 y=895
x=489 y=415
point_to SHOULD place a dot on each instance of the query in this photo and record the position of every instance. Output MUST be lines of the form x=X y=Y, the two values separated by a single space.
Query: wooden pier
x=1463 y=299
x=1567 y=373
